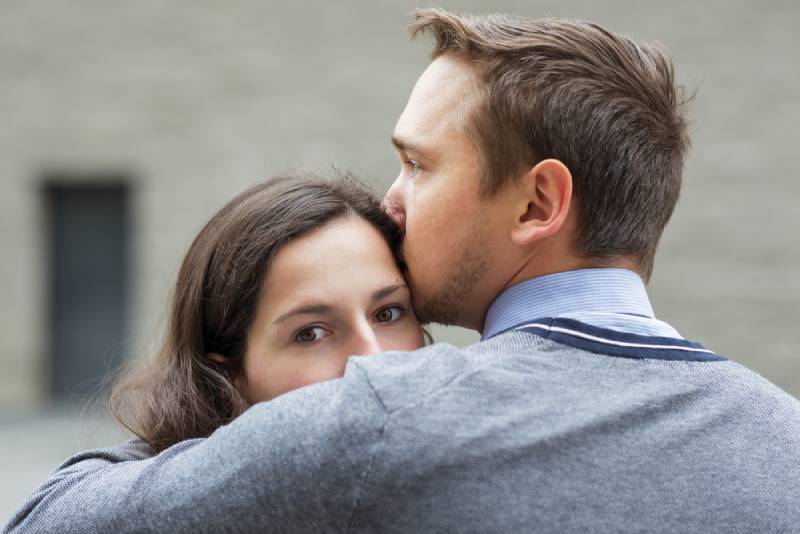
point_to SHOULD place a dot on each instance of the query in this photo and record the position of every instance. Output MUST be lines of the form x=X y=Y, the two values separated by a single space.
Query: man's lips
x=394 y=213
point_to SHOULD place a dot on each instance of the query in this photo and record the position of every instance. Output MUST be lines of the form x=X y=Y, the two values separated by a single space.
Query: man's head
x=531 y=146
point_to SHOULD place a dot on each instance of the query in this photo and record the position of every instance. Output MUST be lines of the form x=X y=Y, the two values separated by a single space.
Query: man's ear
x=544 y=203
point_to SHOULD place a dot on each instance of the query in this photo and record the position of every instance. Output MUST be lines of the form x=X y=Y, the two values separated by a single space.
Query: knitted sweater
x=558 y=427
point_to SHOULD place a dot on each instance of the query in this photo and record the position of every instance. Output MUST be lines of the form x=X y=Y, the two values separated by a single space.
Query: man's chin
x=419 y=298
x=432 y=306
x=447 y=305
x=436 y=310
x=416 y=303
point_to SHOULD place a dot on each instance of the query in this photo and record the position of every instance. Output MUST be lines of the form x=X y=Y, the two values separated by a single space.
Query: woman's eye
x=311 y=334
x=390 y=314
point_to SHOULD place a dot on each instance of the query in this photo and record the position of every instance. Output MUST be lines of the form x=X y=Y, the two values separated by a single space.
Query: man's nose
x=393 y=204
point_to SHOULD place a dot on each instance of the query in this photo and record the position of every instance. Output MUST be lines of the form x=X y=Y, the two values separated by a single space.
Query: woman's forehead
x=344 y=259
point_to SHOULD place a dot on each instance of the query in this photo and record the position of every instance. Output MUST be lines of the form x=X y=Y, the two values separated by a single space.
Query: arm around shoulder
x=295 y=463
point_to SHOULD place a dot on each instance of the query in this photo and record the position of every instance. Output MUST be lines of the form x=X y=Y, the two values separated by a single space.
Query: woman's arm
x=292 y=464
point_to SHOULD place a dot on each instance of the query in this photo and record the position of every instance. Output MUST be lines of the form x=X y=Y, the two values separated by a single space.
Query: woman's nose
x=365 y=341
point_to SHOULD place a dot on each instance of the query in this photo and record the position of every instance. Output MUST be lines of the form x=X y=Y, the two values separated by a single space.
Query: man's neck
x=552 y=265
x=603 y=297
x=533 y=270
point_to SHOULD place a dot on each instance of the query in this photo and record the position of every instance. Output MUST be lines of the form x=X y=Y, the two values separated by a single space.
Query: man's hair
x=604 y=106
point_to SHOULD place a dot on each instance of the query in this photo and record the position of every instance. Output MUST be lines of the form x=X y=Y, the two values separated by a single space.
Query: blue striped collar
x=606 y=298
x=604 y=311
x=615 y=343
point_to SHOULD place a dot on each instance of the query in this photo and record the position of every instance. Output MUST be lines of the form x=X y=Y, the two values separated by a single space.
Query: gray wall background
x=196 y=100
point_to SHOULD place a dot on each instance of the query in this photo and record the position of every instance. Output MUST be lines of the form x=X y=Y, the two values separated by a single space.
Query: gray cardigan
x=524 y=432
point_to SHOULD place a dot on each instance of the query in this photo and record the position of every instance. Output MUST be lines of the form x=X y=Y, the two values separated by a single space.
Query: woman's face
x=327 y=296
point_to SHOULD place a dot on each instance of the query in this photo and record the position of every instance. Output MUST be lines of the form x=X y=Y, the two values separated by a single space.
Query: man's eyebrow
x=304 y=310
x=404 y=145
x=388 y=290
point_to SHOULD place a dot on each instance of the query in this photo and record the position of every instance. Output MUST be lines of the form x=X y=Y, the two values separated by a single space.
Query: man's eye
x=413 y=166
x=311 y=334
x=389 y=314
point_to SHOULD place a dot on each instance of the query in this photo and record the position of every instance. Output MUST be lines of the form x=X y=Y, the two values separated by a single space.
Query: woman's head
x=282 y=285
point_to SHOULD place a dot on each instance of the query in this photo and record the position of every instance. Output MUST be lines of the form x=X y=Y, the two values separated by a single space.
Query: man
x=541 y=160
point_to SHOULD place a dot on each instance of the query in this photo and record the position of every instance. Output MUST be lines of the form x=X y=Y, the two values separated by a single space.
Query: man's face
x=436 y=198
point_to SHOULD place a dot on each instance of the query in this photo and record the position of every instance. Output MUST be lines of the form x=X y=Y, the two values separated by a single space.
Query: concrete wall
x=198 y=99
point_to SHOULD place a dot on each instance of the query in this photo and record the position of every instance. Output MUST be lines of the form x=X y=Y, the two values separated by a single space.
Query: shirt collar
x=618 y=291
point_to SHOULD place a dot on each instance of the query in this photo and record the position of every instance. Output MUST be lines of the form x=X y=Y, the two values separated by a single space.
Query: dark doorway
x=89 y=232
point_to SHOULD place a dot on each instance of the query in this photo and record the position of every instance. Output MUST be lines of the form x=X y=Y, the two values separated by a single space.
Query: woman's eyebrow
x=319 y=308
x=305 y=309
x=386 y=291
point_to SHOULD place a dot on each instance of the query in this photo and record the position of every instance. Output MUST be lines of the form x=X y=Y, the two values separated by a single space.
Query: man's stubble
x=447 y=306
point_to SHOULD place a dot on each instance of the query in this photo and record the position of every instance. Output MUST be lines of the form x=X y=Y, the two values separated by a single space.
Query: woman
x=279 y=289
x=281 y=286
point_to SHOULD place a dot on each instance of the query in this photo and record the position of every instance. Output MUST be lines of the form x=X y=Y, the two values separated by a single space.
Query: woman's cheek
x=269 y=377
x=305 y=373
x=295 y=379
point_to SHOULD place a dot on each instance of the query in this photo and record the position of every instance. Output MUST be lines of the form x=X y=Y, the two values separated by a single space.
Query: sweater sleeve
x=294 y=464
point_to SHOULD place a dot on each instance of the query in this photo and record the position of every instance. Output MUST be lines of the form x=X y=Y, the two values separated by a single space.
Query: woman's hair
x=183 y=393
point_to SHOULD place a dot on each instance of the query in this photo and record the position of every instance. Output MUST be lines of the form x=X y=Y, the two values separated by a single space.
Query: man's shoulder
x=530 y=366
x=402 y=379
x=541 y=427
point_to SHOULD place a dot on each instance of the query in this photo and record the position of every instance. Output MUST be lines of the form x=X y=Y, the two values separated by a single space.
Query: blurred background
x=125 y=125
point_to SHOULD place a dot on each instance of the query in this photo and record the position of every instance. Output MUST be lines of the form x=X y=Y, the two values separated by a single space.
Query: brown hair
x=606 y=107
x=183 y=393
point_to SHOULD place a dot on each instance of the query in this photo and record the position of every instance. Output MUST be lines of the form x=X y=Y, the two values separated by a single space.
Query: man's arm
x=293 y=464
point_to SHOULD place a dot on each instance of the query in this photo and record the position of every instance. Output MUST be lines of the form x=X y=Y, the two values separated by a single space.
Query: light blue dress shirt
x=614 y=299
